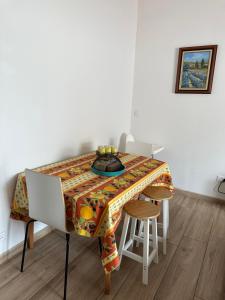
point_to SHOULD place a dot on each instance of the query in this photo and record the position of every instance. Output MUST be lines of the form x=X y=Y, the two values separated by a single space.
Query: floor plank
x=178 y=222
x=201 y=221
x=133 y=286
x=119 y=278
x=10 y=270
x=211 y=285
x=181 y=277
x=85 y=279
x=42 y=268
x=194 y=267
x=218 y=229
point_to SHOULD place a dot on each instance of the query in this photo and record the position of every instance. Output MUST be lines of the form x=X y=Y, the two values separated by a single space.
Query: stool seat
x=157 y=193
x=141 y=209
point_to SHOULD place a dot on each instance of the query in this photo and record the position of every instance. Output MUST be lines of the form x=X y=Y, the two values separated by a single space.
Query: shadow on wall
x=112 y=142
x=9 y=190
x=67 y=153
x=78 y=150
x=92 y=146
x=86 y=147
x=175 y=69
x=122 y=142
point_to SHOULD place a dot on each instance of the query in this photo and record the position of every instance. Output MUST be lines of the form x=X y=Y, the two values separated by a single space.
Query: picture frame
x=195 y=69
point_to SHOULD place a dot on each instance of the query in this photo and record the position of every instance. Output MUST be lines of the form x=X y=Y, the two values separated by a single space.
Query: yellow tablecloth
x=94 y=203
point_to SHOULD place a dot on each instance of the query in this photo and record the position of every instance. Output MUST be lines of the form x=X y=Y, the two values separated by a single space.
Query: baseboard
x=19 y=247
x=199 y=196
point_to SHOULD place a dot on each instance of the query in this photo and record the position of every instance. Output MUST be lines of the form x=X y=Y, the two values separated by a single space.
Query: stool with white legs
x=143 y=211
x=159 y=194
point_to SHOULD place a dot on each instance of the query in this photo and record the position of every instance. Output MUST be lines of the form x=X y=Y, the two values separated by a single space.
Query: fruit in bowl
x=107 y=160
x=107 y=150
x=101 y=150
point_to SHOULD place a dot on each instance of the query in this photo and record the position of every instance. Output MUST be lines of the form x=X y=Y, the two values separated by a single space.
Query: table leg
x=107 y=283
x=30 y=240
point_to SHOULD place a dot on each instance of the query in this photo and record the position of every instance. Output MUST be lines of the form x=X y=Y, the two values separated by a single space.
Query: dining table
x=94 y=203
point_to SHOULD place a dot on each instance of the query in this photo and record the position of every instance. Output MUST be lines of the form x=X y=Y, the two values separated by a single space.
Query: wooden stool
x=144 y=211
x=159 y=193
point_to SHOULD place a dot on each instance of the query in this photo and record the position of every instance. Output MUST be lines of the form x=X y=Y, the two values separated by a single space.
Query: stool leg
x=155 y=239
x=165 y=223
x=123 y=237
x=141 y=227
x=146 y=252
x=132 y=231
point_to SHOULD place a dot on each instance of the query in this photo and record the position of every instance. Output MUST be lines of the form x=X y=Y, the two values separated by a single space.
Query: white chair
x=142 y=148
x=129 y=138
x=145 y=212
x=46 y=204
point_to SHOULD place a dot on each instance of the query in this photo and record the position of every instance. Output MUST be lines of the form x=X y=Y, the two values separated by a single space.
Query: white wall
x=66 y=70
x=192 y=127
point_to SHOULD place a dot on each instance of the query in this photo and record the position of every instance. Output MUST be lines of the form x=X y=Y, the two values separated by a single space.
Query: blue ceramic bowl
x=108 y=174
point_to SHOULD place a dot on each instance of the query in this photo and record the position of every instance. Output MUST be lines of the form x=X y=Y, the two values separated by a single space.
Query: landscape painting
x=195 y=69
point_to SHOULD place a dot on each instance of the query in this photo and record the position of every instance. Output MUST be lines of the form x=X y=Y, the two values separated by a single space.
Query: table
x=94 y=203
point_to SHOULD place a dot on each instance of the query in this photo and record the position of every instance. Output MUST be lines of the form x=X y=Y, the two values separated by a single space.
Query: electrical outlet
x=2 y=235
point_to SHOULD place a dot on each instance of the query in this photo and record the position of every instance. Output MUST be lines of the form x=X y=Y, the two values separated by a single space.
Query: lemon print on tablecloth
x=86 y=212
x=86 y=166
x=64 y=175
x=83 y=232
x=97 y=195
x=109 y=188
x=129 y=176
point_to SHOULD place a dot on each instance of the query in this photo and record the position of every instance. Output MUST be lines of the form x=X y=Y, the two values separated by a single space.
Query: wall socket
x=2 y=235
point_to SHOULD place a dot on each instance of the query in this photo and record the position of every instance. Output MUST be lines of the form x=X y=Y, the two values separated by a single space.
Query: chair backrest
x=129 y=138
x=141 y=148
x=46 y=201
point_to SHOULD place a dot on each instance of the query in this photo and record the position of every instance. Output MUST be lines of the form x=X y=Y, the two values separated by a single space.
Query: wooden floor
x=194 y=267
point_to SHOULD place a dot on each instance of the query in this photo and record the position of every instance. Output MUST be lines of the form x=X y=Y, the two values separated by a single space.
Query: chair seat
x=157 y=193
x=141 y=209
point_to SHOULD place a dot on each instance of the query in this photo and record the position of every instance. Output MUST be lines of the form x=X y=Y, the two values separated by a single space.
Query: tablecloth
x=94 y=203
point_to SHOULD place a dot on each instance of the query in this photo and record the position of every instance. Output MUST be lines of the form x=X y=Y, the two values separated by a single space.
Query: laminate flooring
x=193 y=269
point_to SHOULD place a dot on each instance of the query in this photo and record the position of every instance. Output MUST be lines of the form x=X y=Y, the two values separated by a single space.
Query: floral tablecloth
x=94 y=203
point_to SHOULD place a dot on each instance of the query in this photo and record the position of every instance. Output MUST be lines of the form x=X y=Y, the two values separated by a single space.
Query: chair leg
x=165 y=223
x=155 y=239
x=146 y=252
x=66 y=263
x=25 y=244
x=100 y=246
x=123 y=237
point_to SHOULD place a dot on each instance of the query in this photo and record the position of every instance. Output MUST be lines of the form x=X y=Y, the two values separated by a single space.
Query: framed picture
x=195 y=69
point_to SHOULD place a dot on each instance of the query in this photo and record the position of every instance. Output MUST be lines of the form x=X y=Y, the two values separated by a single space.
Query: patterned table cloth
x=94 y=203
